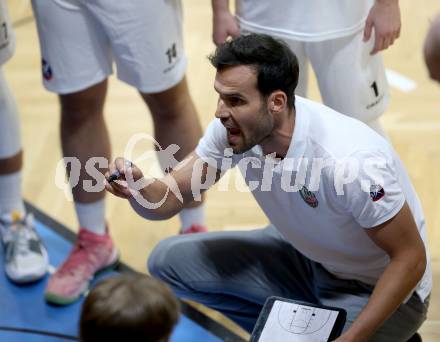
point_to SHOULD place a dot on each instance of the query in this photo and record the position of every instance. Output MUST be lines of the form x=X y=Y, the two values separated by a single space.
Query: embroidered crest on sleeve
x=376 y=192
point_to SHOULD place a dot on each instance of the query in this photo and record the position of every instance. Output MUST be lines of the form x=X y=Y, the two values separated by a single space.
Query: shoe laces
x=20 y=230
x=21 y=240
x=78 y=256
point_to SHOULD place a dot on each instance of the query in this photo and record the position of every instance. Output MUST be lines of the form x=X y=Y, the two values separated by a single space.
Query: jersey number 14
x=171 y=53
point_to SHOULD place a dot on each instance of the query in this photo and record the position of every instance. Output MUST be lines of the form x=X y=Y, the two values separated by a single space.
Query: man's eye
x=235 y=101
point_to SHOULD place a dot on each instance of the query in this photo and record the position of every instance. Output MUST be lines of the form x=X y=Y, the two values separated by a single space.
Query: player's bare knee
x=170 y=104
x=170 y=110
x=83 y=105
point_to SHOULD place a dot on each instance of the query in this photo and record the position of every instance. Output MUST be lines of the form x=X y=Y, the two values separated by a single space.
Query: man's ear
x=277 y=101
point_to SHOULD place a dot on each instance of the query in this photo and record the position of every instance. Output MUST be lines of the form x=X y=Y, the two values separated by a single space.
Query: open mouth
x=234 y=131
x=233 y=135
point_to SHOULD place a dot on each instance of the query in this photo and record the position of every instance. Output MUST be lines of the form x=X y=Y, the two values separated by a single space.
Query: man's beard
x=262 y=132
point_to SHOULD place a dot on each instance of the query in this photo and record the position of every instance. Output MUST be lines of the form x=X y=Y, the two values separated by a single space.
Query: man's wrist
x=220 y=6
x=353 y=334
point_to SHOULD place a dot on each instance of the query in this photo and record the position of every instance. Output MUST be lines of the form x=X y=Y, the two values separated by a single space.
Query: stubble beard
x=254 y=139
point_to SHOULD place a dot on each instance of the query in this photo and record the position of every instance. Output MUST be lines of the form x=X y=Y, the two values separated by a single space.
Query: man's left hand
x=384 y=17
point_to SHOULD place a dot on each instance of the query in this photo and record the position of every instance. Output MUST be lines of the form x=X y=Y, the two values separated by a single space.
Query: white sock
x=91 y=216
x=190 y=216
x=10 y=193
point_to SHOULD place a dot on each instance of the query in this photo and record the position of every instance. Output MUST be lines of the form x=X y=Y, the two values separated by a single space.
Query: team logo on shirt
x=308 y=197
x=376 y=192
x=47 y=70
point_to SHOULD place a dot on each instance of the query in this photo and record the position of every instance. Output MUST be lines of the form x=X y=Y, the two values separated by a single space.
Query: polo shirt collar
x=298 y=143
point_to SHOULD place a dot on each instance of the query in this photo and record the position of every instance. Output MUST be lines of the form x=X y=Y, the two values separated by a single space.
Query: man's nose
x=222 y=111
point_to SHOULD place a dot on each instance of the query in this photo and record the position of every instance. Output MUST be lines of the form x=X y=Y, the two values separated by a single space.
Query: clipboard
x=284 y=319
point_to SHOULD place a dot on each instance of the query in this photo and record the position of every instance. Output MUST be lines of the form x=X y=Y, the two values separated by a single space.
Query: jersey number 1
x=375 y=89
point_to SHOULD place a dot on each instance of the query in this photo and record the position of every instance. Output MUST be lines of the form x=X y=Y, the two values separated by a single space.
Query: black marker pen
x=114 y=176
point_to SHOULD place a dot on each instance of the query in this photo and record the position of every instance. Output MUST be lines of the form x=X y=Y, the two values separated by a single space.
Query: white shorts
x=79 y=40
x=7 y=36
x=350 y=80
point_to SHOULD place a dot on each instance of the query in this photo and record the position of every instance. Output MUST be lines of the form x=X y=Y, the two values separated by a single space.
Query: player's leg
x=234 y=272
x=150 y=56
x=298 y=49
x=376 y=125
x=25 y=257
x=76 y=64
x=351 y=81
x=176 y=122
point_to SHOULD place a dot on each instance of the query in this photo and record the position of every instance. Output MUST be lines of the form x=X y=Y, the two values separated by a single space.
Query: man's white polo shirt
x=338 y=178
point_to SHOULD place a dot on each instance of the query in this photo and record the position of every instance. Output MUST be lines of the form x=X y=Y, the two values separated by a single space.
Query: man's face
x=241 y=108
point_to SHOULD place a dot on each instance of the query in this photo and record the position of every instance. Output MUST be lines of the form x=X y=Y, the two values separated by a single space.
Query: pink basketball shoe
x=92 y=253
x=195 y=228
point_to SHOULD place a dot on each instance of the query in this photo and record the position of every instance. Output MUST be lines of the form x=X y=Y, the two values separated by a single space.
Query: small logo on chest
x=308 y=197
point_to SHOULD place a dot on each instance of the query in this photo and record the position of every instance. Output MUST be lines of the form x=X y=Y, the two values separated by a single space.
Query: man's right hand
x=129 y=181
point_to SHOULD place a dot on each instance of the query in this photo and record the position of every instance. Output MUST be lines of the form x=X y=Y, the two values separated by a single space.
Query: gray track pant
x=234 y=273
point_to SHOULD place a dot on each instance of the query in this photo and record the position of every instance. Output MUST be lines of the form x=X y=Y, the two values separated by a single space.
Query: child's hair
x=129 y=308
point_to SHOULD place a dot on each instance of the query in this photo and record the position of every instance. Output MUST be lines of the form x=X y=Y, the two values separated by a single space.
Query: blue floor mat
x=25 y=316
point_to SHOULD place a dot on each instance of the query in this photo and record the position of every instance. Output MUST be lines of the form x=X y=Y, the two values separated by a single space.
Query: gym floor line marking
x=400 y=81
x=431 y=322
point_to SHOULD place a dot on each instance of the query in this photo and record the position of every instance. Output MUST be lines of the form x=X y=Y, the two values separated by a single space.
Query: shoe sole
x=28 y=279
x=61 y=301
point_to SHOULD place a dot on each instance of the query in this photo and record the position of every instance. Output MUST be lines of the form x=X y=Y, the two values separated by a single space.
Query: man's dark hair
x=129 y=308
x=276 y=65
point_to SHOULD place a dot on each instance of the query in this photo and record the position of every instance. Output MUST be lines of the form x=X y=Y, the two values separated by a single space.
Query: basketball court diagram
x=298 y=322
x=302 y=320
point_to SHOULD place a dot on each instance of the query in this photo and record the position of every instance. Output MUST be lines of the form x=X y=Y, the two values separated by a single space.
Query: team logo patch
x=47 y=70
x=308 y=197
x=376 y=192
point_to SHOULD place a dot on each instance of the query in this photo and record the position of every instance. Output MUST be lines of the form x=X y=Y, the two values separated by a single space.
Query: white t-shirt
x=303 y=20
x=324 y=217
